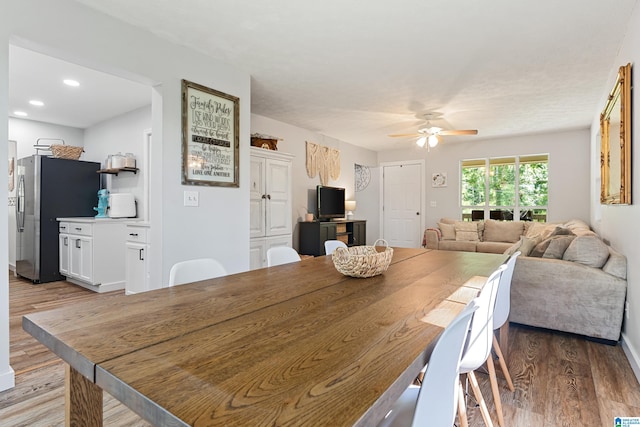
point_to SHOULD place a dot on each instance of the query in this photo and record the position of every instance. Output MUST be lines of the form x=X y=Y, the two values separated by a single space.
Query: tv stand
x=313 y=234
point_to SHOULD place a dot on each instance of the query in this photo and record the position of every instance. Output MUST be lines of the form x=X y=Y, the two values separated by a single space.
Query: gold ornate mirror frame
x=615 y=144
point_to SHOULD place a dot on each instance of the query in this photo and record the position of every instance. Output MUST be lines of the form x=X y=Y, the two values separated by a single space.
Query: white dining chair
x=478 y=351
x=332 y=245
x=281 y=255
x=501 y=316
x=195 y=270
x=434 y=403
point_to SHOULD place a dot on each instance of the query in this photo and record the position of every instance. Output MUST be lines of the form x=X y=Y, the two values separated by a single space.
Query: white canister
x=117 y=161
x=129 y=160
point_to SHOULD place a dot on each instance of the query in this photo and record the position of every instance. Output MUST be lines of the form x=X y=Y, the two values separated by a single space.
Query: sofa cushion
x=452 y=245
x=579 y=228
x=502 y=231
x=492 y=247
x=448 y=231
x=587 y=250
x=466 y=231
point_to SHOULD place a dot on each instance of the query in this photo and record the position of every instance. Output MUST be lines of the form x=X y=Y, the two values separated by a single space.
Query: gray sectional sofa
x=566 y=279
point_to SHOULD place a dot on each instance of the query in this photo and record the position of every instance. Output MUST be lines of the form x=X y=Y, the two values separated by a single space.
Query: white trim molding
x=632 y=355
x=7 y=379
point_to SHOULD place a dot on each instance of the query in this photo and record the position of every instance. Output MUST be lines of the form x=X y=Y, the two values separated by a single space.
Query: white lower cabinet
x=91 y=253
x=259 y=247
x=137 y=259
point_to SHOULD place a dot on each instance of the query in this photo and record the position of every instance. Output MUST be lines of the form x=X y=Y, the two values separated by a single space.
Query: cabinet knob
x=141 y=254
x=78 y=243
x=133 y=234
x=269 y=196
x=264 y=196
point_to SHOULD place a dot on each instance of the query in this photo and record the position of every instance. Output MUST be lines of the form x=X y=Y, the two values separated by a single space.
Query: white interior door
x=402 y=204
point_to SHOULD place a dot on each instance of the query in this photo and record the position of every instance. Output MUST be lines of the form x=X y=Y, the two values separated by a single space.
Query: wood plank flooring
x=560 y=379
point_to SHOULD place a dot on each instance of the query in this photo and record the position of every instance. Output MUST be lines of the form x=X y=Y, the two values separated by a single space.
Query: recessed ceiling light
x=36 y=103
x=20 y=113
x=70 y=82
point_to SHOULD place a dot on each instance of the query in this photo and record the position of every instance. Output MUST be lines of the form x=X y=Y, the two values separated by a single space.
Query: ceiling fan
x=432 y=134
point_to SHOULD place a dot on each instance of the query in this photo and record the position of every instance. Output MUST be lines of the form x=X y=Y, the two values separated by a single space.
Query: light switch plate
x=191 y=198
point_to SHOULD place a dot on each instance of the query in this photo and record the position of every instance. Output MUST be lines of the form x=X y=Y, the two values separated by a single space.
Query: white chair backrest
x=503 y=300
x=281 y=255
x=195 y=270
x=332 y=245
x=438 y=397
x=480 y=339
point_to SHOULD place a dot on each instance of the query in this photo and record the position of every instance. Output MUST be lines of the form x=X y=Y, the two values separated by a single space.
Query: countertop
x=93 y=220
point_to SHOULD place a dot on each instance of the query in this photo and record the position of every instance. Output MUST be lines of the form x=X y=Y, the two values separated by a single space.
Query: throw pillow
x=587 y=250
x=466 y=231
x=514 y=248
x=557 y=246
x=540 y=229
x=539 y=250
x=502 y=231
x=448 y=231
x=528 y=244
x=561 y=231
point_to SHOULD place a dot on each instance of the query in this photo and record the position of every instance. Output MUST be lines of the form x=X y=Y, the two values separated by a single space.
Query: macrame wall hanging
x=324 y=161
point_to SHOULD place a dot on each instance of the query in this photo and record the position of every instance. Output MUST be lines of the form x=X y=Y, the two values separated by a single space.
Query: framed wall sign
x=210 y=140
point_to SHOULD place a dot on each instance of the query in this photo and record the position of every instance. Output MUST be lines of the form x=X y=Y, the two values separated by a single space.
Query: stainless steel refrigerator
x=49 y=188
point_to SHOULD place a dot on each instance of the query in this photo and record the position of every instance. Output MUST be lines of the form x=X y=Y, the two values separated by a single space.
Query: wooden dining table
x=291 y=345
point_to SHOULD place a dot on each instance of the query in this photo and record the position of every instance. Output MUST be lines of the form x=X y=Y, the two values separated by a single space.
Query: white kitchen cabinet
x=137 y=258
x=270 y=203
x=92 y=252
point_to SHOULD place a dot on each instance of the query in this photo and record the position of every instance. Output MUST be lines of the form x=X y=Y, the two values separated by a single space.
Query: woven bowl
x=363 y=261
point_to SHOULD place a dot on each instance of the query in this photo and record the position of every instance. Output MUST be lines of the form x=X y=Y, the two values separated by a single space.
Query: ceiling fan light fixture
x=421 y=141
x=433 y=141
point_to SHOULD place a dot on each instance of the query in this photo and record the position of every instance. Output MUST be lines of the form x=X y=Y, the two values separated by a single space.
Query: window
x=505 y=188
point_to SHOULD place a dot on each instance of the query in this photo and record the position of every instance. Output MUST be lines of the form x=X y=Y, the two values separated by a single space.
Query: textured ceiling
x=358 y=70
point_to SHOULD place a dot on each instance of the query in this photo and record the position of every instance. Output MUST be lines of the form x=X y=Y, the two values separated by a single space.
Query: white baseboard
x=7 y=379
x=632 y=355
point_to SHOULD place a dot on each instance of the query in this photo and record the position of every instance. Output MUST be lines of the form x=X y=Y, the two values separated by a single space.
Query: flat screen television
x=330 y=202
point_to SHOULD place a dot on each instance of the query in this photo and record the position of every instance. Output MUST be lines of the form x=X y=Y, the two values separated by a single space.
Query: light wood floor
x=560 y=380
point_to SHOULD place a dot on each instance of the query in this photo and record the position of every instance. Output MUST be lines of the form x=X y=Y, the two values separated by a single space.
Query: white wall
x=569 y=178
x=619 y=224
x=304 y=188
x=27 y=132
x=122 y=134
x=219 y=227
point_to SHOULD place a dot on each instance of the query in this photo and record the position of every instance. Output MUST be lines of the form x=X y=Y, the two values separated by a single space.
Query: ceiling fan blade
x=458 y=132
x=401 y=135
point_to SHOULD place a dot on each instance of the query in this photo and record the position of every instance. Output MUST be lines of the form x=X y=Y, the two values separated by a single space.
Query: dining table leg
x=83 y=400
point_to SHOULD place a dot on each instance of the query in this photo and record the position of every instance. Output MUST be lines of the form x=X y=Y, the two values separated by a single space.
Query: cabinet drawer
x=136 y=234
x=77 y=228
x=63 y=228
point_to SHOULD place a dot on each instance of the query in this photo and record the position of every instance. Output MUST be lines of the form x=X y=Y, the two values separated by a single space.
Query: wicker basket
x=66 y=151
x=362 y=261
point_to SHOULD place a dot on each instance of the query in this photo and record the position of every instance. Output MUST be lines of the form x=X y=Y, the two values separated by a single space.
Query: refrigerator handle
x=20 y=204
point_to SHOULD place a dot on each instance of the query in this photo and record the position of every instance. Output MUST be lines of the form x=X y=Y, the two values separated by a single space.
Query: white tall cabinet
x=270 y=204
